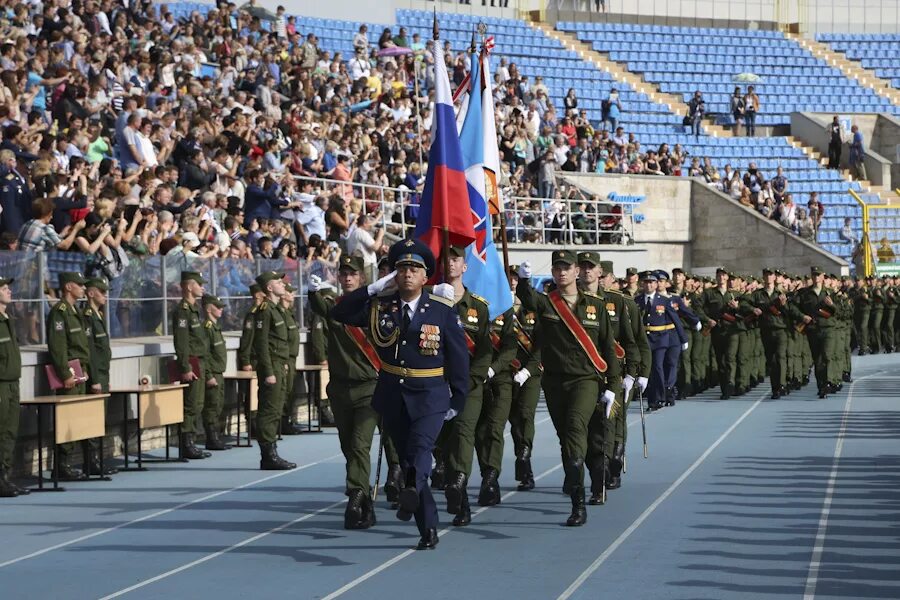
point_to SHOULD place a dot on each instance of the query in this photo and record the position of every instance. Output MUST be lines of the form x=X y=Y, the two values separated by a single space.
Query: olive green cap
x=354 y=263
x=591 y=258
x=98 y=282
x=71 y=277
x=192 y=276
x=214 y=300
x=631 y=271
x=6 y=280
x=607 y=267
x=255 y=289
x=290 y=289
x=265 y=277
x=456 y=252
x=566 y=257
x=815 y=271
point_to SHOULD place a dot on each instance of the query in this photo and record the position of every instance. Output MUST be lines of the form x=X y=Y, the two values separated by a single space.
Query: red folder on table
x=175 y=371
x=56 y=383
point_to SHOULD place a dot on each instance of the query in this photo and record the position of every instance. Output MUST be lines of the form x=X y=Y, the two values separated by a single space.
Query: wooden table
x=160 y=405
x=248 y=396
x=75 y=418
x=313 y=376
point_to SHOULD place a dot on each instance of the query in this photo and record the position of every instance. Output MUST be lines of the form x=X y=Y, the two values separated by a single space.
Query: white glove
x=445 y=290
x=698 y=326
x=684 y=346
x=315 y=283
x=628 y=383
x=490 y=373
x=609 y=399
x=642 y=383
x=525 y=269
x=450 y=414
x=382 y=284
x=521 y=377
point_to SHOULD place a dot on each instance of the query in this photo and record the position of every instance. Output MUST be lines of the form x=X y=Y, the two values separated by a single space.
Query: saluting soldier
x=10 y=374
x=67 y=341
x=580 y=364
x=214 y=368
x=246 y=359
x=818 y=308
x=190 y=343
x=353 y=365
x=424 y=369
x=288 y=426
x=457 y=441
x=602 y=448
x=272 y=355
x=100 y=356
x=526 y=376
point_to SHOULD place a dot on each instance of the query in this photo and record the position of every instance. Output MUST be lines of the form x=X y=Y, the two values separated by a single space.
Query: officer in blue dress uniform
x=666 y=336
x=688 y=317
x=15 y=195
x=424 y=373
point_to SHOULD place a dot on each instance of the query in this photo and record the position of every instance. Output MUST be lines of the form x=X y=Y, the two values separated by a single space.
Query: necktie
x=406 y=319
x=649 y=302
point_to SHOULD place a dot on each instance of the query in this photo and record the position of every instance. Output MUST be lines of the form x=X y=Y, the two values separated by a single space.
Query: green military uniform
x=213 y=369
x=525 y=396
x=725 y=335
x=289 y=412
x=862 y=308
x=571 y=381
x=875 y=317
x=245 y=353
x=844 y=316
x=190 y=342
x=318 y=354
x=744 y=356
x=820 y=332
x=67 y=340
x=10 y=373
x=891 y=300
x=775 y=327
x=495 y=409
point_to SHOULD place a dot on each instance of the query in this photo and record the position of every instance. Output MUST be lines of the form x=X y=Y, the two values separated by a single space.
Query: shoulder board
x=10 y=176
x=87 y=312
x=61 y=306
x=208 y=324
x=662 y=295
x=614 y=293
x=263 y=306
x=254 y=309
x=479 y=298
x=440 y=299
x=185 y=305
x=590 y=294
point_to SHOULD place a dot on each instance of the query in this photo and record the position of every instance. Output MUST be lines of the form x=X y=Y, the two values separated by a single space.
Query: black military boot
x=599 y=477
x=579 y=514
x=92 y=465
x=355 y=511
x=65 y=472
x=7 y=489
x=439 y=474
x=288 y=427
x=270 y=461
x=687 y=390
x=726 y=391
x=464 y=516
x=523 y=463
x=454 y=491
x=213 y=441
x=489 y=494
x=189 y=450
x=409 y=497
x=616 y=462
x=846 y=377
x=292 y=465
x=393 y=484
x=429 y=540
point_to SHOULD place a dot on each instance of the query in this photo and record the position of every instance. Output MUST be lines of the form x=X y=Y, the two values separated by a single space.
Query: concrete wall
x=728 y=234
x=811 y=129
x=622 y=256
x=886 y=142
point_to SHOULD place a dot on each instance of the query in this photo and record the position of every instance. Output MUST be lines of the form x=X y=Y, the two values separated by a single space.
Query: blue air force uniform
x=665 y=335
x=424 y=371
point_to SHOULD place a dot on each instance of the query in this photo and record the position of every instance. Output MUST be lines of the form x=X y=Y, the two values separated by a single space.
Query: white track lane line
x=162 y=512
x=649 y=510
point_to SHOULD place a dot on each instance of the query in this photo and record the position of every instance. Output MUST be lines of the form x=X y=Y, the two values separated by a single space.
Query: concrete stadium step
x=620 y=72
x=850 y=68
x=867 y=186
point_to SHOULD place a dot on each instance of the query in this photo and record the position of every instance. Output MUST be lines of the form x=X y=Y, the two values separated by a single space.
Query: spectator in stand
x=805 y=226
x=362 y=243
x=847 y=234
x=696 y=110
x=836 y=137
x=547 y=175
x=779 y=185
x=857 y=153
x=361 y=39
x=652 y=167
x=815 y=209
x=886 y=252
x=754 y=180
x=570 y=102
x=787 y=213
x=745 y=199
x=737 y=109
x=751 y=109
x=39 y=235
x=614 y=109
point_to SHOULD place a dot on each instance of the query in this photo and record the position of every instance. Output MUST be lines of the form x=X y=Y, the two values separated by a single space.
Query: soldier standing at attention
x=272 y=355
x=354 y=364
x=526 y=376
x=10 y=373
x=458 y=437
x=66 y=341
x=245 y=357
x=424 y=377
x=190 y=342
x=288 y=426
x=580 y=365
x=100 y=357
x=213 y=368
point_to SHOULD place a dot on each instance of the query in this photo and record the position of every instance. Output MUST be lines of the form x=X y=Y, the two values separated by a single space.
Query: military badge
x=58 y=326
x=182 y=322
x=530 y=319
x=591 y=312
x=611 y=308
x=472 y=315
x=660 y=310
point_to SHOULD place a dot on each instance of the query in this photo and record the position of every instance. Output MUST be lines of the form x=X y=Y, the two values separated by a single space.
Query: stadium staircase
x=874 y=59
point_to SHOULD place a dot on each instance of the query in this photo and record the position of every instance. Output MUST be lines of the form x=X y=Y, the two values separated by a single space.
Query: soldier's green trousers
x=194 y=396
x=522 y=411
x=213 y=401
x=571 y=403
x=271 y=404
x=356 y=421
x=725 y=345
x=744 y=359
x=775 y=343
x=492 y=422
x=890 y=315
x=875 y=318
x=290 y=401
x=821 y=345
x=603 y=433
x=685 y=372
x=9 y=421
x=861 y=327
x=700 y=357
x=459 y=433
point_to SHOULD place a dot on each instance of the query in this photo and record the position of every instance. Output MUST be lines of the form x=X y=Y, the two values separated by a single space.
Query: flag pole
x=445 y=230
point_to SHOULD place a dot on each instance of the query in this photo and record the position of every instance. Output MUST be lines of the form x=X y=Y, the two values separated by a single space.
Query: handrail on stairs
x=866 y=244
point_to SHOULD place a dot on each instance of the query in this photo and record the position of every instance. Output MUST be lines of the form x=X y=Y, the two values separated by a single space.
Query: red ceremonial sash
x=571 y=322
x=620 y=351
x=470 y=343
x=359 y=338
x=495 y=341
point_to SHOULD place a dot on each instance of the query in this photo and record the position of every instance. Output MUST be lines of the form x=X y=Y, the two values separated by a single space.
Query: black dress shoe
x=823 y=394
x=776 y=394
x=404 y=515
x=326 y=417
x=393 y=484
x=454 y=492
x=846 y=377
x=409 y=499
x=429 y=540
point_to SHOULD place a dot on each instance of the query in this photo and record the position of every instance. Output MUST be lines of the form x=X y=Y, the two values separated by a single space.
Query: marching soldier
x=665 y=335
x=774 y=308
x=288 y=426
x=580 y=364
x=458 y=438
x=527 y=369
x=862 y=306
x=690 y=322
x=720 y=305
x=214 y=368
x=602 y=448
x=10 y=373
x=270 y=341
x=845 y=326
x=876 y=316
x=100 y=356
x=891 y=300
x=67 y=341
x=632 y=286
x=424 y=373
x=817 y=305
x=245 y=356
x=354 y=364
x=190 y=343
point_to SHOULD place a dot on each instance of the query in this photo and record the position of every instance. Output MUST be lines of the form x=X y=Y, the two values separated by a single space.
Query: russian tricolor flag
x=445 y=200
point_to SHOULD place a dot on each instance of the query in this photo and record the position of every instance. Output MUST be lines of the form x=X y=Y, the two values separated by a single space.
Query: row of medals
x=429 y=340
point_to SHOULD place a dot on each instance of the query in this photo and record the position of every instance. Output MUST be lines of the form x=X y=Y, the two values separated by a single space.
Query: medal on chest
x=429 y=340
x=530 y=319
x=660 y=310
x=472 y=316
x=611 y=309
x=591 y=313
